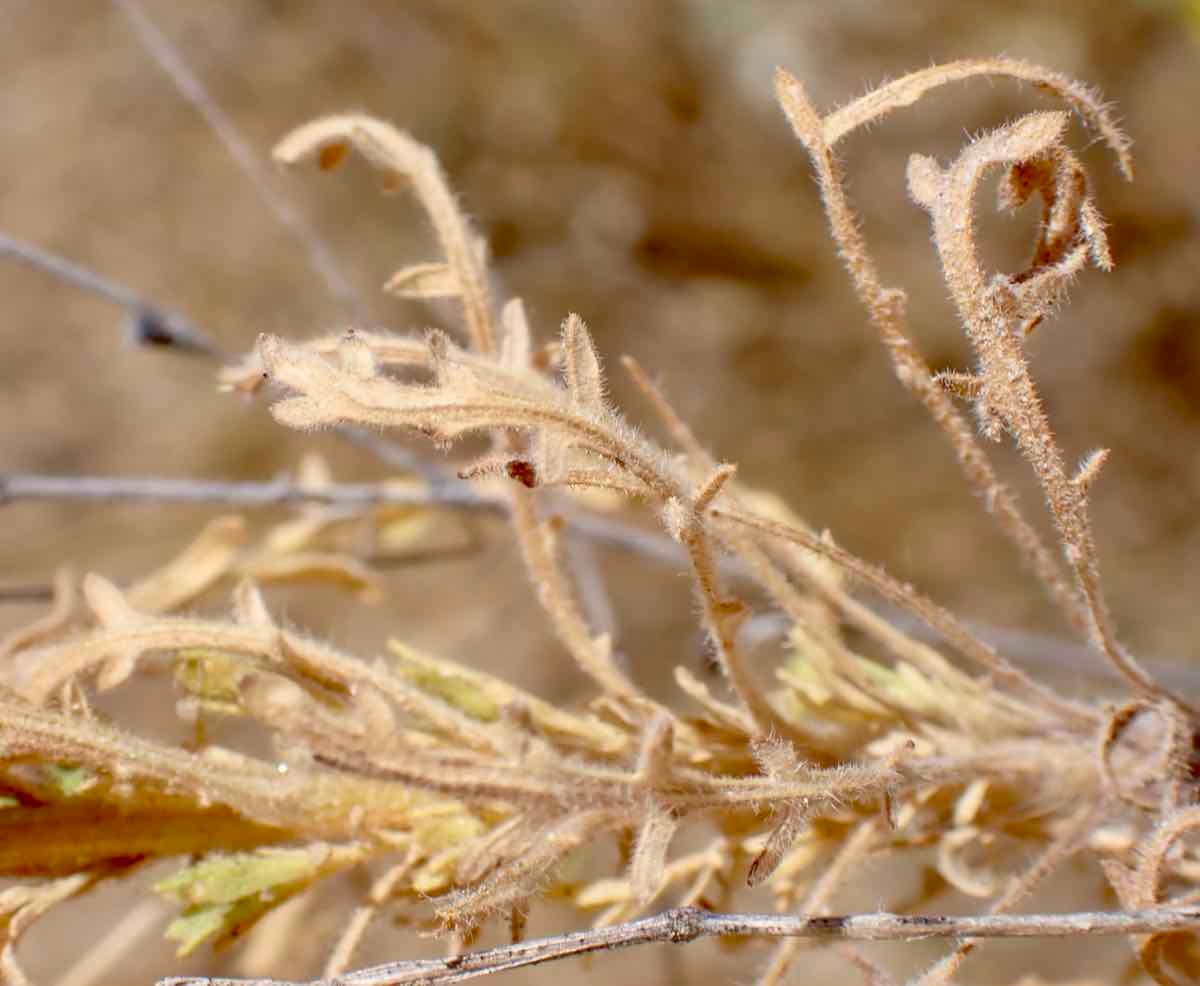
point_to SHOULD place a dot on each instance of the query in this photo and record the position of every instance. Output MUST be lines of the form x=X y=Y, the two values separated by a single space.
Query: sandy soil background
x=626 y=161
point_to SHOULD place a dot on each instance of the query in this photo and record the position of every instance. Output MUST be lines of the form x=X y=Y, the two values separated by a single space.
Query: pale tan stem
x=886 y=309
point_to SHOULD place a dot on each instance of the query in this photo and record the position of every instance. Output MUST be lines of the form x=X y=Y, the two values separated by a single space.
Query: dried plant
x=463 y=795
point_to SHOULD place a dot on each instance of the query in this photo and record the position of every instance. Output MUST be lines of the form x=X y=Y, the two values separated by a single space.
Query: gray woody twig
x=171 y=61
x=150 y=324
x=276 y=492
x=450 y=493
x=685 y=924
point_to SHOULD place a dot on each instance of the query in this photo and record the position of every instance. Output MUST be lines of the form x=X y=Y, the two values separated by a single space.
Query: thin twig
x=81 y=277
x=453 y=494
x=685 y=924
x=150 y=324
x=170 y=60
x=276 y=492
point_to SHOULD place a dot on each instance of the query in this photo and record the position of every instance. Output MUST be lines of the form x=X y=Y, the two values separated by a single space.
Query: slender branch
x=171 y=61
x=62 y=268
x=276 y=492
x=450 y=493
x=150 y=324
x=685 y=924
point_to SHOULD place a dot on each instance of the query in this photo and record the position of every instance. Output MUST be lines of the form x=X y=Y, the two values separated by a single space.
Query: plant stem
x=685 y=924
x=451 y=493
x=168 y=58
x=151 y=325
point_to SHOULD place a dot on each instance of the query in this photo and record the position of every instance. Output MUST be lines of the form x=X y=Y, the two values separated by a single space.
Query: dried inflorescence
x=468 y=790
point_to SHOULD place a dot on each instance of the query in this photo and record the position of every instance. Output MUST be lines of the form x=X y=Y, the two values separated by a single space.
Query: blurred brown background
x=626 y=161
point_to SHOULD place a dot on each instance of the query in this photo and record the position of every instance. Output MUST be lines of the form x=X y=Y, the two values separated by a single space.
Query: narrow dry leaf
x=787 y=829
x=647 y=867
x=211 y=556
x=424 y=281
x=584 y=379
x=516 y=346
